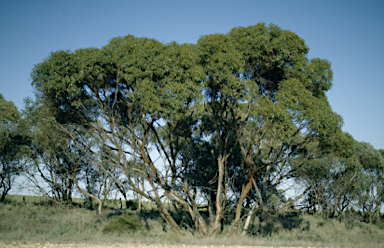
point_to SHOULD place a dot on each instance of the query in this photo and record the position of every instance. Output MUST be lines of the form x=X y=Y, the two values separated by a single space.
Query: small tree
x=371 y=194
x=14 y=145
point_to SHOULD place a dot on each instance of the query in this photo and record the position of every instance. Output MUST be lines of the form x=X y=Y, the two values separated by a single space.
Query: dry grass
x=49 y=245
x=39 y=225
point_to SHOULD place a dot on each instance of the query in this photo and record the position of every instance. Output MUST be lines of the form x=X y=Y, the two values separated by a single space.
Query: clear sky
x=350 y=34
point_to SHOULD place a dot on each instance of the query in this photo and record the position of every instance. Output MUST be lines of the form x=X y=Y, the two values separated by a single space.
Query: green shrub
x=123 y=223
x=132 y=204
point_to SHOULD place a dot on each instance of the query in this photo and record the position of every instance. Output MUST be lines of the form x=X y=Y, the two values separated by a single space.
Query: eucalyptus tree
x=191 y=121
x=13 y=145
x=51 y=165
x=371 y=193
x=349 y=178
x=92 y=181
x=333 y=183
x=265 y=97
x=222 y=116
x=131 y=95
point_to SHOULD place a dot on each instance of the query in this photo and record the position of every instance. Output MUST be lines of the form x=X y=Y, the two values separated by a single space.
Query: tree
x=51 y=161
x=266 y=98
x=333 y=183
x=371 y=193
x=348 y=177
x=13 y=145
x=131 y=94
x=250 y=101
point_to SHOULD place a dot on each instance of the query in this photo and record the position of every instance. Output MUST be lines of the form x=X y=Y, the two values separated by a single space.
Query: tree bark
x=167 y=216
x=244 y=193
x=218 y=195
x=90 y=195
x=248 y=220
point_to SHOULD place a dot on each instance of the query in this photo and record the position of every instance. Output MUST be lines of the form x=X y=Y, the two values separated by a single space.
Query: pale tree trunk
x=218 y=195
x=161 y=208
x=92 y=196
x=252 y=211
x=244 y=193
x=248 y=220
x=167 y=216
x=199 y=221
x=88 y=194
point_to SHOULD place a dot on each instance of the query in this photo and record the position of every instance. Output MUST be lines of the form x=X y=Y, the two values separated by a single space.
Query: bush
x=132 y=204
x=123 y=223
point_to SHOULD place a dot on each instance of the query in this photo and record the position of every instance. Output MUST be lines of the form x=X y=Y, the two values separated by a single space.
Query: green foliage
x=123 y=223
x=14 y=145
x=132 y=204
x=232 y=118
x=371 y=194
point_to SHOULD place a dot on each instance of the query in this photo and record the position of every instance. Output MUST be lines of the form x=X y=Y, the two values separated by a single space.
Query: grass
x=36 y=221
x=116 y=204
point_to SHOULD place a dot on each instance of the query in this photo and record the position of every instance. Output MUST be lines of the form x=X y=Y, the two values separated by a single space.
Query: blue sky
x=350 y=34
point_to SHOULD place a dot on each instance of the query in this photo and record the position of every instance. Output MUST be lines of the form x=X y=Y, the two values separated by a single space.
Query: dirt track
x=49 y=245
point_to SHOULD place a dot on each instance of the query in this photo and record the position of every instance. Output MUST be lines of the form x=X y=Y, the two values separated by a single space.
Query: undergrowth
x=38 y=222
x=123 y=223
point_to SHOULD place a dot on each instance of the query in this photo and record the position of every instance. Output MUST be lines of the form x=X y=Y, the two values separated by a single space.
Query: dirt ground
x=49 y=245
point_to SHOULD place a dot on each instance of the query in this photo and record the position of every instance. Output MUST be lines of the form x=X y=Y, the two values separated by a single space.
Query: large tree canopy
x=222 y=122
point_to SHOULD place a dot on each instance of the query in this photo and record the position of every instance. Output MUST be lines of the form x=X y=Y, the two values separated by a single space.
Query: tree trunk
x=218 y=194
x=248 y=220
x=3 y=196
x=91 y=196
x=6 y=189
x=244 y=193
x=167 y=217
x=140 y=196
x=211 y=211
